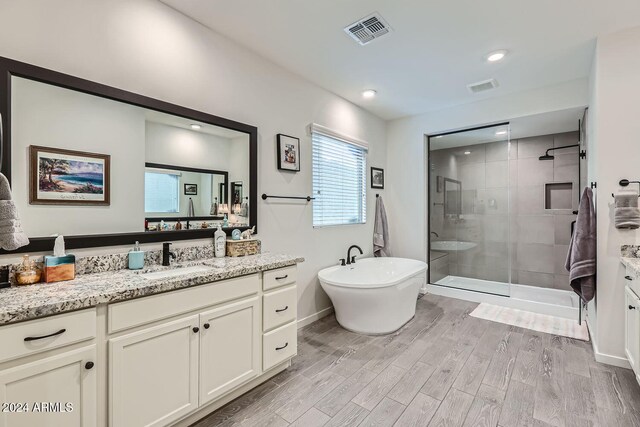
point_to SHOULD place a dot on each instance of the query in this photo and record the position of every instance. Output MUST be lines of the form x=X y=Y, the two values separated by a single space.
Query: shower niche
x=558 y=195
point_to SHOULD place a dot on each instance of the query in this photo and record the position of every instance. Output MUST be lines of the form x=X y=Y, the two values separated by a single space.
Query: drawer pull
x=628 y=277
x=282 y=277
x=89 y=365
x=282 y=309
x=61 y=331
x=632 y=307
x=206 y=326
x=283 y=347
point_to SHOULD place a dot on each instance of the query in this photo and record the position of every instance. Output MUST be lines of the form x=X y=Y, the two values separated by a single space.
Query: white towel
x=12 y=236
x=381 y=231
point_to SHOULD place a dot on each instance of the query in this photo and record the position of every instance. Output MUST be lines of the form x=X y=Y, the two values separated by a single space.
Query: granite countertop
x=20 y=303
x=630 y=258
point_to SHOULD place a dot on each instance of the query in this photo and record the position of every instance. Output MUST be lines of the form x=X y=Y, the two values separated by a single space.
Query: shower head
x=546 y=157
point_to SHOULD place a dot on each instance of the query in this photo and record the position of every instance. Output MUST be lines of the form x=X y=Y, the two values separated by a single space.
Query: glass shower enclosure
x=469 y=198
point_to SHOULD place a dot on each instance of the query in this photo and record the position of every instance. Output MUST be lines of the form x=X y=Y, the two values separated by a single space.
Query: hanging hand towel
x=11 y=234
x=626 y=214
x=581 y=259
x=381 y=231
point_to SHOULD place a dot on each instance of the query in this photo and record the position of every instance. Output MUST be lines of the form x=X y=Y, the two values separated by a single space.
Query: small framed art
x=377 y=178
x=191 y=189
x=288 y=153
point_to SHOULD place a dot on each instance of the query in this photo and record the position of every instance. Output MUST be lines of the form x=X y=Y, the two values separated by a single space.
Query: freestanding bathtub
x=375 y=295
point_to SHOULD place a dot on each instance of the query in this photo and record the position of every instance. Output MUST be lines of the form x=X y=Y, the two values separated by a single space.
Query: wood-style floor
x=444 y=368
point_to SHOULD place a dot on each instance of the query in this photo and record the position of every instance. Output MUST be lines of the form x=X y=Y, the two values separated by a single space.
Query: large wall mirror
x=103 y=166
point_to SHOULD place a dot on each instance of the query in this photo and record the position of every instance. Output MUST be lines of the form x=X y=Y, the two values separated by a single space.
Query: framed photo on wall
x=191 y=189
x=67 y=177
x=288 y=153
x=377 y=178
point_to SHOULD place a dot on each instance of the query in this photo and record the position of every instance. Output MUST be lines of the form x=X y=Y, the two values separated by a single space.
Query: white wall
x=146 y=47
x=406 y=155
x=614 y=127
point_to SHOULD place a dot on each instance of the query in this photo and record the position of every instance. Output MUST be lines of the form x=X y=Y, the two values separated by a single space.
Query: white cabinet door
x=229 y=347
x=153 y=374
x=632 y=330
x=55 y=391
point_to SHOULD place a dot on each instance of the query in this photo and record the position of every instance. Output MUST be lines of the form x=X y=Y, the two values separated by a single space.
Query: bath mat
x=534 y=321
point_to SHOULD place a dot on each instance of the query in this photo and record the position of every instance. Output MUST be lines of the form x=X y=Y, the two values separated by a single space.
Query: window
x=161 y=192
x=339 y=178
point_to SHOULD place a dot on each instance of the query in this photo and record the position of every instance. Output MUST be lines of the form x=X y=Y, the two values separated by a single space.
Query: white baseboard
x=608 y=359
x=315 y=316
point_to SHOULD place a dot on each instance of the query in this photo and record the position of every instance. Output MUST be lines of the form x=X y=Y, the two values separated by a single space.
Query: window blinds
x=161 y=192
x=339 y=180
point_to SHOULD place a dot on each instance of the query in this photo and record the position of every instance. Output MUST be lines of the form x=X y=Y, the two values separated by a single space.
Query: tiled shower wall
x=494 y=177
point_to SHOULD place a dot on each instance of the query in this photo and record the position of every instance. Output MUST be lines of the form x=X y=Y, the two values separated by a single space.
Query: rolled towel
x=8 y=209
x=626 y=199
x=627 y=218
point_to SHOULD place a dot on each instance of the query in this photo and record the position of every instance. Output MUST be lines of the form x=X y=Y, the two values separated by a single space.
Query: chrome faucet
x=436 y=234
x=350 y=259
x=167 y=255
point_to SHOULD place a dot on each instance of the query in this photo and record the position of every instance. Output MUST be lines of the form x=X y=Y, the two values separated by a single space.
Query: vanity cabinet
x=229 y=347
x=632 y=329
x=56 y=390
x=153 y=374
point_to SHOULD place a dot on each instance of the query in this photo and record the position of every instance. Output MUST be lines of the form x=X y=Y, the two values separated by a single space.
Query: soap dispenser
x=136 y=257
x=220 y=242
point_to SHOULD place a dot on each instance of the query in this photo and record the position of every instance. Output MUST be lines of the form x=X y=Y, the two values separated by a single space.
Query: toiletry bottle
x=219 y=242
x=136 y=258
x=225 y=221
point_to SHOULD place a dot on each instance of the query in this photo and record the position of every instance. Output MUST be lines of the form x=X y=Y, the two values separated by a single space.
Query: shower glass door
x=469 y=221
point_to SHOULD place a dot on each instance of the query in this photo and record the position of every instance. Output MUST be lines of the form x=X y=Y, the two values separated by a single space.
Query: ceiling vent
x=482 y=86
x=368 y=29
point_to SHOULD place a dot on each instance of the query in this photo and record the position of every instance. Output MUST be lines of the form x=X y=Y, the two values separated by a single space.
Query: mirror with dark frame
x=103 y=166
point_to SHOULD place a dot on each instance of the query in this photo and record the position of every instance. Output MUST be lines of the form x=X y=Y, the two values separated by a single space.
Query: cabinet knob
x=196 y=329
x=632 y=307
x=628 y=277
x=206 y=325
x=89 y=365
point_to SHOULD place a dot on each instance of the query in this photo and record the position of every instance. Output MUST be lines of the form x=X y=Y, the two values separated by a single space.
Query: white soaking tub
x=375 y=295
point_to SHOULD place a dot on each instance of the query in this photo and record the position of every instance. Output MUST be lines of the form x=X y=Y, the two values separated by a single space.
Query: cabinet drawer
x=279 y=345
x=35 y=336
x=279 y=307
x=275 y=278
x=127 y=314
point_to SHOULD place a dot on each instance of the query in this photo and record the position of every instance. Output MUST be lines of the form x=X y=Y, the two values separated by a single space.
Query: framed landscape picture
x=67 y=177
x=377 y=178
x=288 y=153
x=191 y=189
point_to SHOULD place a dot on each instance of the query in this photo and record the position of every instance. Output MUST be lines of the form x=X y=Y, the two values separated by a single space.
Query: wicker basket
x=243 y=247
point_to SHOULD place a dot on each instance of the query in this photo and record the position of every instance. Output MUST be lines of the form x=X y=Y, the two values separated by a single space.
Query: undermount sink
x=451 y=246
x=175 y=272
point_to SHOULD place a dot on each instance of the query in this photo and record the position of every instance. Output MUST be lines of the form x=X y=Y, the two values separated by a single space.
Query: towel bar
x=625 y=182
x=307 y=198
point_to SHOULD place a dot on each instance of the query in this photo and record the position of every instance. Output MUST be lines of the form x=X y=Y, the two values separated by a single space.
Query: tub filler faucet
x=350 y=259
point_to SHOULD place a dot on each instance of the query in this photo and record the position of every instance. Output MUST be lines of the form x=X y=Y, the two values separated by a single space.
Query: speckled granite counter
x=89 y=290
x=630 y=258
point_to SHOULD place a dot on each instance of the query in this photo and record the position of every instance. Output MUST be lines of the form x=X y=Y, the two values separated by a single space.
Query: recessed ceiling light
x=467 y=152
x=501 y=132
x=196 y=127
x=369 y=93
x=496 y=56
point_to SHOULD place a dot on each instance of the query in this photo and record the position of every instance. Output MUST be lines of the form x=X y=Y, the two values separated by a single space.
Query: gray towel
x=380 y=231
x=12 y=236
x=581 y=259
x=626 y=214
x=190 y=210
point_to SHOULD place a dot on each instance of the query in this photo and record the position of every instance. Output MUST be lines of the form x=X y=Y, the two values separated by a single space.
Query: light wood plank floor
x=444 y=368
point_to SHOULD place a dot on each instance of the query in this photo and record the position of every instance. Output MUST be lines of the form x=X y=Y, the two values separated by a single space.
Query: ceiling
x=181 y=122
x=436 y=47
x=521 y=127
